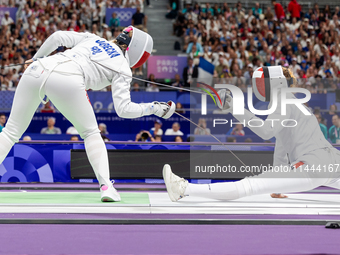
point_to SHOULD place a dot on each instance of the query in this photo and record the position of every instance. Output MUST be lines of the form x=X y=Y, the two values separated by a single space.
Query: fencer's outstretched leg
x=68 y=94
x=262 y=184
x=178 y=188
x=175 y=185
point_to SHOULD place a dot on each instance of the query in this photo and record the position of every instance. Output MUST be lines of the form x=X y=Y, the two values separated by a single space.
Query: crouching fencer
x=303 y=157
x=91 y=63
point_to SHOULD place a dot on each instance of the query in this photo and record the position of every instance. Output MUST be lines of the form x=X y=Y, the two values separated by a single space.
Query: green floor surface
x=68 y=198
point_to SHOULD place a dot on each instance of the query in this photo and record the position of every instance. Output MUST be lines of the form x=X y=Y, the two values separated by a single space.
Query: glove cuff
x=148 y=108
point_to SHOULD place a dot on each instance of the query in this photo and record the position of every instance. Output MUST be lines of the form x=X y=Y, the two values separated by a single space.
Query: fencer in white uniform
x=303 y=158
x=91 y=63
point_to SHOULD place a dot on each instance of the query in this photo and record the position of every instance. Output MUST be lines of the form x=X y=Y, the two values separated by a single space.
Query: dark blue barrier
x=50 y=162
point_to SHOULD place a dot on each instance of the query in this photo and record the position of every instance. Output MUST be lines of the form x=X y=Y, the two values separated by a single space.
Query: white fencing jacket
x=291 y=142
x=102 y=63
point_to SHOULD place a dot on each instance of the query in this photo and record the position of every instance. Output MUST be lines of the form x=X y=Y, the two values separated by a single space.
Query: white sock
x=220 y=191
x=5 y=146
x=97 y=155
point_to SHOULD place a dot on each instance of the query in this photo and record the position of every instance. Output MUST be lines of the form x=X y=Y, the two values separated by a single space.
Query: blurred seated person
x=239 y=80
x=178 y=83
x=334 y=131
x=195 y=55
x=322 y=126
x=237 y=130
x=47 y=108
x=219 y=69
x=179 y=108
x=151 y=87
x=198 y=46
x=203 y=130
x=51 y=129
x=74 y=138
x=144 y=136
x=158 y=138
x=178 y=139
x=72 y=131
x=135 y=87
x=248 y=140
x=156 y=130
x=332 y=109
x=27 y=138
x=231 y=139
x=174 y=130
x=3 y=120
x=103 y=129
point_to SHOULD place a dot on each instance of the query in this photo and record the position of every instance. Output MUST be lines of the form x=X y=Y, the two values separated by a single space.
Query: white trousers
x=67 y=92
x=282 y=182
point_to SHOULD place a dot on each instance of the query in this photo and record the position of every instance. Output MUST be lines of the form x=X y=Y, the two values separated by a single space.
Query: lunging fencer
x=91 y=63
x=304 y=158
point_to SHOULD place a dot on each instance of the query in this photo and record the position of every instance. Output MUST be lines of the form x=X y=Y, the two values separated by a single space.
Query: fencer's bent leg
x=67 y=92
x=25 y=103
x=97 y=154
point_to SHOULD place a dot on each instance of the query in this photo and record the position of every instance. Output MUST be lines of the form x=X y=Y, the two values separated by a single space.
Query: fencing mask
x=139 y=45
x=266 y=80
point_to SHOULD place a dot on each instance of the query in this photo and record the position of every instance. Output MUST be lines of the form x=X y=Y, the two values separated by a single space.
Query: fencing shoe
x=109 y=193
x=174 y=184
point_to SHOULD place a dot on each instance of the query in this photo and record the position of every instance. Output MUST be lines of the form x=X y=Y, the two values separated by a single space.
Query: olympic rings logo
x=124 y=15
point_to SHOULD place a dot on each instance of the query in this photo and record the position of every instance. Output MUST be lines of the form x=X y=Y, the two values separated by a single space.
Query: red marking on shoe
x=104 y=187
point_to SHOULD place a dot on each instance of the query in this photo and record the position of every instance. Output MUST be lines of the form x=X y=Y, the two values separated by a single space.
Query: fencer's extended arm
x=60 y=38
x=264 y=129
x=122 y=99
x=271 y=127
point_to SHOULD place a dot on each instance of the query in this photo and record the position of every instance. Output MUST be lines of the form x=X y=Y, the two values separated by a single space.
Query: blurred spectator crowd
x=235 y=40
x=238 y=40
x=36 y=20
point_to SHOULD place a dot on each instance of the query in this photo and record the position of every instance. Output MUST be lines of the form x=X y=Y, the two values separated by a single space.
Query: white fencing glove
x=164 y=110
x=160 y=109
x=227 y=100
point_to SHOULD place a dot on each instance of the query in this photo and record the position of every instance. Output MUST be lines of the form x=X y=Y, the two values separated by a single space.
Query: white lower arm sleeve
x=122 y=100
